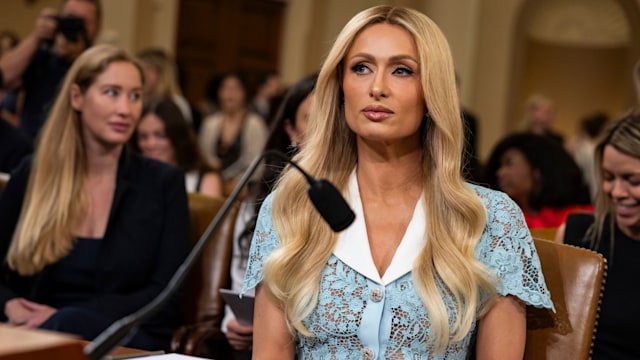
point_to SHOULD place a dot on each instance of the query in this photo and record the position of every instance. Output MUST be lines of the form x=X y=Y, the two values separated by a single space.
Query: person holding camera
x=42 y=59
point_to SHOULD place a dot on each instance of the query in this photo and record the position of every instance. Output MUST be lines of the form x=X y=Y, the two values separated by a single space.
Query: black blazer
x=14 y=146
x=146 y=239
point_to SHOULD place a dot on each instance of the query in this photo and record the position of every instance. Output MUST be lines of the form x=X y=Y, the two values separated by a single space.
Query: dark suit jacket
x=146 y=239
x=14 y=146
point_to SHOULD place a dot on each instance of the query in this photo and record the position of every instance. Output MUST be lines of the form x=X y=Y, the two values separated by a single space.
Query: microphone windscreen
x=330 y=204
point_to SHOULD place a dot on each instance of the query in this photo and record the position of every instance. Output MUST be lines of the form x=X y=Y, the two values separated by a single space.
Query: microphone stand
x=114 y=334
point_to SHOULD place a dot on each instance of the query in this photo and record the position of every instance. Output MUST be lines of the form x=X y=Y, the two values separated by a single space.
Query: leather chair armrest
x=203 y=338
x=200 y=339
x=178 y=338
x=203 y=307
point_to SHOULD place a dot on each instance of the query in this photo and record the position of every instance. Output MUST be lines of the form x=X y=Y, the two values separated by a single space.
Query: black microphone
x=324 y=196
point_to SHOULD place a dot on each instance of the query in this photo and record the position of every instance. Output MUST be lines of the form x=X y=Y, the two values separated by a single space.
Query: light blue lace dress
x=361 y=315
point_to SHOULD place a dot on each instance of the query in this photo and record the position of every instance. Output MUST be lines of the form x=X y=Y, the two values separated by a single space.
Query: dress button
x=367 y=354
x=376 y=295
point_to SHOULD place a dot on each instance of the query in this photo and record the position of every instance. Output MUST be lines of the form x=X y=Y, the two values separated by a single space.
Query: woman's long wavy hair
x=624 y=136
x=456 y=215
x=56 y=198
x=278 y=140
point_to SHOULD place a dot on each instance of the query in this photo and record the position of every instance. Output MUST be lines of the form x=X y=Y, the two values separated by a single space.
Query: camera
x=71 y=27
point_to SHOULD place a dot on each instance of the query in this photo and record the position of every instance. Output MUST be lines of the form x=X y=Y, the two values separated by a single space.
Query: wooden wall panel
x=216 y=36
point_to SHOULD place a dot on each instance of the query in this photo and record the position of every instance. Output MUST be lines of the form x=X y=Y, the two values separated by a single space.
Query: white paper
x=171 y=357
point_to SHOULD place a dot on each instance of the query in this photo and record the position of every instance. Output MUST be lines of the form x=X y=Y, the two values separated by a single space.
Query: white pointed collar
x=352 y=246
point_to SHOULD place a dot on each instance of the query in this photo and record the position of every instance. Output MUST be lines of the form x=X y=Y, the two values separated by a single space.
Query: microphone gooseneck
x=325 y=197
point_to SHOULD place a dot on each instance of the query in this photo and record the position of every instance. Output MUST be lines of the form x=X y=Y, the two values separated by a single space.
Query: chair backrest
x=575 y=278
x=544 y=233
x=202 y=301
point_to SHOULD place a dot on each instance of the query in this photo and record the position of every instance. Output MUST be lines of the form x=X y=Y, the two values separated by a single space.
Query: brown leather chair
x=544 y=233
x=203 y=307
x=575 y=277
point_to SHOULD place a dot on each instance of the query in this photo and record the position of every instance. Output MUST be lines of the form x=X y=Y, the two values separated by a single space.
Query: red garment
x=549 y=217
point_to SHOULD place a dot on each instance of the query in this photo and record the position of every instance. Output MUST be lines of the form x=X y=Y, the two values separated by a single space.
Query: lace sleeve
x=507 y=248
x=265 y=240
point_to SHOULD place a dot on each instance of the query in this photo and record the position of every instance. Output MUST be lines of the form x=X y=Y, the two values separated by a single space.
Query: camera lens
x=72 y=27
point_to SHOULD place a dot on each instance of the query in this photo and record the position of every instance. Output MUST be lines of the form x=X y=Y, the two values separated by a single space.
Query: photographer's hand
x=46 y=24
x=14 y=63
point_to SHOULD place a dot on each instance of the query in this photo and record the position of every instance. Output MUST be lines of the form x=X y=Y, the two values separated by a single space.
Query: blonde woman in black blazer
x=91 y=232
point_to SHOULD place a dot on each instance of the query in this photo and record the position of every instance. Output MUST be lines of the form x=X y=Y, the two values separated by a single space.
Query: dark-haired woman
x=233 y=136
x=164 y=134
x=540 y=176
x=287 y=134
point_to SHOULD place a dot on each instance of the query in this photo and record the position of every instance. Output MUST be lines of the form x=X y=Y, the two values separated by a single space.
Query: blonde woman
x=431 y=261
x=161 y=79
x=91 y=232
x=613 y=229
x=539 y=117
